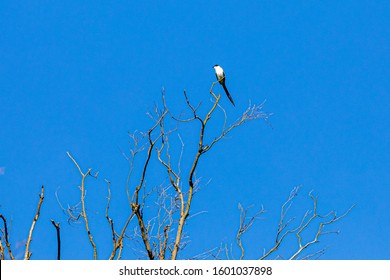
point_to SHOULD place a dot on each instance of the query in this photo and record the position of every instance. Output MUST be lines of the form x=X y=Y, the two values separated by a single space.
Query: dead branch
x=109 y=220
x=27 y=254
x=136 y=208
x=6 y=237
x=315 y=215
x=119 y=243
x=185 y=210
x=282 y=224
x=82 y=199
x=163 y=216
x=117 y=240
x=308 y=219
x=133 y=153
x=251 y=113
x=2 y=254
x=57 y=227
x=245 y=224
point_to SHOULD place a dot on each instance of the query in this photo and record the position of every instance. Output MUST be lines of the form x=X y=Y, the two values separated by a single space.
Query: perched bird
x=221 y=79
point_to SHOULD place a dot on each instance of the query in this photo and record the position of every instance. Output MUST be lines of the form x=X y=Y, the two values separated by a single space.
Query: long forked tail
x=228 y=94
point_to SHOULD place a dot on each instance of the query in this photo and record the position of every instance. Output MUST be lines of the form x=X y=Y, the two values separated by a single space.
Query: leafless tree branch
x=135 y=201
x=308 y=219
x=27 y=254
x=333 y=218
x=82 y=199
x=245 y=224
x=57 y=227
x=6 y=237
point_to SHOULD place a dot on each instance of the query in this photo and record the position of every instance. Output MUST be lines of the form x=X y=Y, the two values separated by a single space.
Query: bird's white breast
x=219 y=71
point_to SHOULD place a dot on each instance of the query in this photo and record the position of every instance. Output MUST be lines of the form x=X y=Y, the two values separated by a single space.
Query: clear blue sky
x=77 y=77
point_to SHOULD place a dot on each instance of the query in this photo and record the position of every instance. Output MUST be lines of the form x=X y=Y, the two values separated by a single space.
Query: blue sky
x=78 y=77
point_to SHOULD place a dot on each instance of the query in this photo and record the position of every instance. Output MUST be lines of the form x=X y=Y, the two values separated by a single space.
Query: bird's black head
x=215 y=65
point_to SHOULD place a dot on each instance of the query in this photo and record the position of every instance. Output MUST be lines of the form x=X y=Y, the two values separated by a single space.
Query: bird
x=221 y=79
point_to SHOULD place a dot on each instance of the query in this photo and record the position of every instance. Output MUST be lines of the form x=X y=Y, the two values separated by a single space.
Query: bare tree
x=160 y=211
